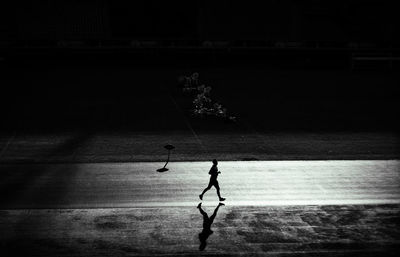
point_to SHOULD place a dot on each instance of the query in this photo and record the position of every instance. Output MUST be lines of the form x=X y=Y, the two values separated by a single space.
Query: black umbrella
x=169 y=148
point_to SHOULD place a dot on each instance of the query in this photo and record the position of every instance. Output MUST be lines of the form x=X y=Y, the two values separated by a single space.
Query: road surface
x=273 y=208
x=112 y=185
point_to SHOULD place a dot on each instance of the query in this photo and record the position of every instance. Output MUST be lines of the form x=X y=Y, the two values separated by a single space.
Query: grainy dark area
x=111 y=112
x=124 y=112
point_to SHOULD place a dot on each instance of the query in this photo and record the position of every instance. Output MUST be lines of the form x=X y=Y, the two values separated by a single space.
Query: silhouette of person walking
x=207 y=222
x=213 y=181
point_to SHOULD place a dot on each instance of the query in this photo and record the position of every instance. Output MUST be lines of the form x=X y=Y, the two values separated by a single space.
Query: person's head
x=215 y=162
x=203 y=242
x=203 y=245
x=203 y=239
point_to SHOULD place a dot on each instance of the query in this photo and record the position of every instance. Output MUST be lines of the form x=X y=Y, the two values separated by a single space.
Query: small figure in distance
x=213 y=181
x=207 y=222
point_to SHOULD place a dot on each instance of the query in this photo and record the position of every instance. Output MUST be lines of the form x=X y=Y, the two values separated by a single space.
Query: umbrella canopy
x=169 y=147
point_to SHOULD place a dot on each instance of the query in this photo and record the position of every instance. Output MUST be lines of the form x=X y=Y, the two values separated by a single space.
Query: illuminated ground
x=328 y=208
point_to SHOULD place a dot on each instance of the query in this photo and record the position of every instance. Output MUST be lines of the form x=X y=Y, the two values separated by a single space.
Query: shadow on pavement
x=23 y=182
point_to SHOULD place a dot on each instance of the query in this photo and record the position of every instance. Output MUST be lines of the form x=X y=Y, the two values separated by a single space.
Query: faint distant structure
x=189 y=83
x=169 y=148
x=203 y=104
x=64 y=20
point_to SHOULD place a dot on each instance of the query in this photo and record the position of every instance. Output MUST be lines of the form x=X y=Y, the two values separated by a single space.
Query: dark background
x=71 y=64
x=309 y=20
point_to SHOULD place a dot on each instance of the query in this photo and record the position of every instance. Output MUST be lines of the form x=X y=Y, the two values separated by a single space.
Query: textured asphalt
x=273 y=208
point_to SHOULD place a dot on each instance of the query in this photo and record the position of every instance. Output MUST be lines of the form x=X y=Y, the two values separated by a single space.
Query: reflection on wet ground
x=207 y=222
x=356 y=230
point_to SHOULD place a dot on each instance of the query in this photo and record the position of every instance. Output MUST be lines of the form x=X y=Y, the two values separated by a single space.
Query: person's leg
x=215 y=212
x=205 y=190
x=216 y=185
x=201 y=211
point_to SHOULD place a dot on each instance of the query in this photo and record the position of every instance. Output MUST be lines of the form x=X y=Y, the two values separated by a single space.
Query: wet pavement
x=273 y=208
x=351 y=230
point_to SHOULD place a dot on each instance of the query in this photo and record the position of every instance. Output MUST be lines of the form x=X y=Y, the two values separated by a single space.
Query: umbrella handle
x=167 y=159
